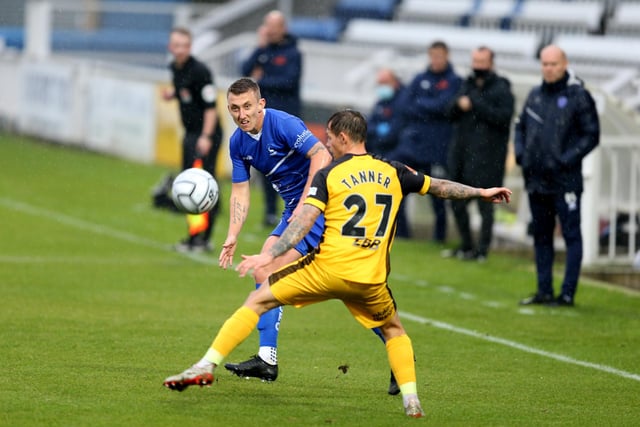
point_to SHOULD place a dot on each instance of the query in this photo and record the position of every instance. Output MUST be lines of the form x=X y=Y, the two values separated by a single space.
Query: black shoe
x=463 y=254
x=562 y=301
x=193 y=244
x=254 y=367
x=393 y=385
x=537 y=299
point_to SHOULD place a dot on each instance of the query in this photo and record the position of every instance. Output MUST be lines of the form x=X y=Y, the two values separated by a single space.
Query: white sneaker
x=413 y=408
x=192 y=376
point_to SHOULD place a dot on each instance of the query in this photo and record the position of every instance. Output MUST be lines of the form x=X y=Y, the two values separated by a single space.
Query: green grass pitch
x=97 y=310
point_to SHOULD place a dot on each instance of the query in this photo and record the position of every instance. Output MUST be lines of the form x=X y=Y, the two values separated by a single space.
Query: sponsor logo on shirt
x=302 y=138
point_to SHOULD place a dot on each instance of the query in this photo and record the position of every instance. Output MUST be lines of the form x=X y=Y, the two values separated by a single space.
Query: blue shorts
x=310 y=241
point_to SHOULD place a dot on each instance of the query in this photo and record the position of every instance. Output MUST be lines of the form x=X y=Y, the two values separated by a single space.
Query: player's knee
x=260 y=275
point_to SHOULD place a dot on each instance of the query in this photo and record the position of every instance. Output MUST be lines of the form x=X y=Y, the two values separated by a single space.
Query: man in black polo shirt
x=194 y=89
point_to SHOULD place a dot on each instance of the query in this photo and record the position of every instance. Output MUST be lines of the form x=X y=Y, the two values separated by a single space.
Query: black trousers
x=461 y=215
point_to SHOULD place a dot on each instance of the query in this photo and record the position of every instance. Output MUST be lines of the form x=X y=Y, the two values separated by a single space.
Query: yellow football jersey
x=360 y=196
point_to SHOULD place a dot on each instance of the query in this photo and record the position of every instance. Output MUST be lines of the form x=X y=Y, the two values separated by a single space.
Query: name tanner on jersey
x=363 y=177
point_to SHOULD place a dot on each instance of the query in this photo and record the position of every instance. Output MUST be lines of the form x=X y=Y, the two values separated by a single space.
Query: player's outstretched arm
x=446 y=189
x=292 y=235
x=238 y=211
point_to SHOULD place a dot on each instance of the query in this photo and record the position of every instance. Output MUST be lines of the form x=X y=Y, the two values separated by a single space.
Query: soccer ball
x=195 y=191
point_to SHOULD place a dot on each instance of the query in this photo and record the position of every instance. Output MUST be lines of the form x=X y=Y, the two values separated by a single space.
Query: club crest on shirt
x=562 y=102
x=185 y=95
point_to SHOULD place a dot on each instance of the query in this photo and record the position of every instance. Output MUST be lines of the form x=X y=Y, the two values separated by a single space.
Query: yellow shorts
x=304 y=282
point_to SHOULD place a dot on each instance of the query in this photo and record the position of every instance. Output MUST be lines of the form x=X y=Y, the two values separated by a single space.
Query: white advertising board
x=120 y=118
x=48 y=102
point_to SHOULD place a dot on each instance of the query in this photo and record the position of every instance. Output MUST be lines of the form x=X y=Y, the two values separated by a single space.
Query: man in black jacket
x=481 y=113
x=194 y=88
x=557 y=128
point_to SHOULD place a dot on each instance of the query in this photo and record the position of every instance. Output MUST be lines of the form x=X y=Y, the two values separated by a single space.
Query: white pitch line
x=95 y=228
x=518 y=346
x=132 y=238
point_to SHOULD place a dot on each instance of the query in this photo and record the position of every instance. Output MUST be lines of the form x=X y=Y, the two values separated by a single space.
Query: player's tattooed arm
x=446 y=189
x=319 y=156
x=238 y=211
x=295 y=231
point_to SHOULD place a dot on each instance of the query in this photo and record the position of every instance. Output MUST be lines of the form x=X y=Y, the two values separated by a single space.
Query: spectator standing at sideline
x=384 y=125
x=557 y=128
x=350 y=270
x=424 y=141
x=482 y=113
x=194 y=88
x=276 y=64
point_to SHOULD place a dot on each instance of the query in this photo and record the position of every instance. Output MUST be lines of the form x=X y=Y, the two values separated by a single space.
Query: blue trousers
x=544 y=209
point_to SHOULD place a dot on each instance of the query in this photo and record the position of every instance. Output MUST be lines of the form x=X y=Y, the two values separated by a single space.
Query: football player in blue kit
x=281 y=147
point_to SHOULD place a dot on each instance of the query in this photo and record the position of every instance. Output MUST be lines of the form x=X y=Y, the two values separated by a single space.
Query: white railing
x=619 y=197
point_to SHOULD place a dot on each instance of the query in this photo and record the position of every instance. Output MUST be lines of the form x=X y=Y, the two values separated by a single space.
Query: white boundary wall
x=72 y=103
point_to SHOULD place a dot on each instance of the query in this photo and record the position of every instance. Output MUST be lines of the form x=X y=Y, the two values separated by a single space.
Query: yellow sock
x=235 y=330
x=400 y=352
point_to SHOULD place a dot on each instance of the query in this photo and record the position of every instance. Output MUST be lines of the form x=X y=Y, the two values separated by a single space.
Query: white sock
x=204 y=363
x=269 y=355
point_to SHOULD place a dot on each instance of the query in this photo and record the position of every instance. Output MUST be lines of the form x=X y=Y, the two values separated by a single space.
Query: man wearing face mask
x=481 y=113
x=384 y=125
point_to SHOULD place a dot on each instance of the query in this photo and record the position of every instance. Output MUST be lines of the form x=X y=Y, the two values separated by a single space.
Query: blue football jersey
x=279 y=153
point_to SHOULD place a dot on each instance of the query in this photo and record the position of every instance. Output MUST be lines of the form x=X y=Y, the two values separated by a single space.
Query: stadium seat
x=325 y=29
x=595 y=50
x=417 y=36
x=13 y=37
x=442 y=12
x=558 y=16
x=346 y=10
x=625 y=19
x=494 y=14
x=111 y=40
x=137 y=21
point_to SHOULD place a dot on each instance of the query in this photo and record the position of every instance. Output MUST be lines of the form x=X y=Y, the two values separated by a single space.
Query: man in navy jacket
x=424 y=141
x=276 y=65
x=557 y=128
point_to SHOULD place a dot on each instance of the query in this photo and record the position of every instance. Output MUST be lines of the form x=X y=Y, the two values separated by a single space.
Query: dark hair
x=351 y=122
x=183 y=31
x=439 y=44
x=244 y=85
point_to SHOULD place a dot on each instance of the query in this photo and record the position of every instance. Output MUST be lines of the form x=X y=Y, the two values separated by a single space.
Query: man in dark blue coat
x=557 y=128
x=276 y=65
x=424 y=141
